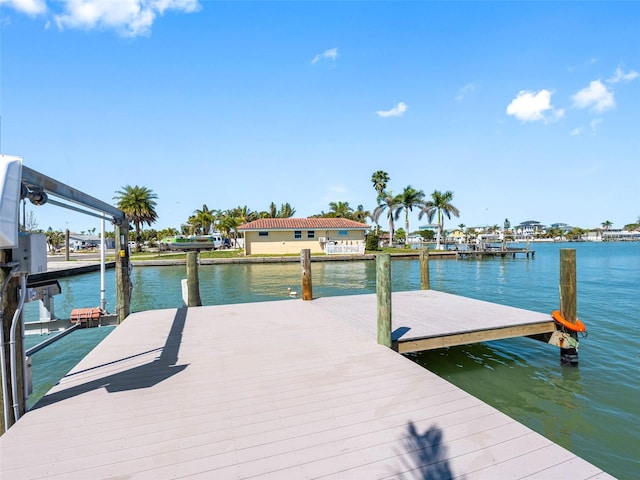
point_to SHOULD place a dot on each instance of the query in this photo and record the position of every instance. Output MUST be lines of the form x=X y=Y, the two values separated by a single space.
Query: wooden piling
x=193 y=281
x=383 y=292
x=307 y=286
x=424 y=270
x=66 y=244
x=123 y=273
x=568 y=300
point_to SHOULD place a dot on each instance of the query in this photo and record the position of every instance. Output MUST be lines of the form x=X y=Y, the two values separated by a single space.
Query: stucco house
x=290 y=235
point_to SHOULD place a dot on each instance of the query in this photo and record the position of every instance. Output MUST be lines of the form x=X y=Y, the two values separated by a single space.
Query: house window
x=311 y=234
x=263 y=234
x=297 y=234
x=342 y=233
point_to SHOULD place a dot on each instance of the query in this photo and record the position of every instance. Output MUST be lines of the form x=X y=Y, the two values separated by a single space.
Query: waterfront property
x=282 y=389
x=277 y=236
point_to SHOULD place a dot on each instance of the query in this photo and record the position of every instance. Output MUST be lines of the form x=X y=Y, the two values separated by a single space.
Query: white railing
x=339 y=248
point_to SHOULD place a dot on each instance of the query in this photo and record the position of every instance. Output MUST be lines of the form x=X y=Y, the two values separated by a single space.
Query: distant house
x=290 y=235
x=79 y=241
x=530 y=228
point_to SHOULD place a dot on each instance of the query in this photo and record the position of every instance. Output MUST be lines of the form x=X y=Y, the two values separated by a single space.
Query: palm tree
x=286 y=211
x=409 y=198
x=340 y=210
x=607 y=224
x=139 y=205
x=440 y=203
x=380 y=179
x=360 y=214
x=390 y=203
x=204 y=219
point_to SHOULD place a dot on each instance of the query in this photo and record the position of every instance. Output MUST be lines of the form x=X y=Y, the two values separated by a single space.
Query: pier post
x=307 y=286
x=568 y=300
x=424 y=270
x=383 y=295
x=66 y=245
x=123 y=274
x=193 y=281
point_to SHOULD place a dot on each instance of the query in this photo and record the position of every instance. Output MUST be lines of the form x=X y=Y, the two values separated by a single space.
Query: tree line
x=139 y=204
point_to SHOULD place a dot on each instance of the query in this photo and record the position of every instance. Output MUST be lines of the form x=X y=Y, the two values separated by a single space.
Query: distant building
x=561 y=226
x=530 y=228
x=290 y=235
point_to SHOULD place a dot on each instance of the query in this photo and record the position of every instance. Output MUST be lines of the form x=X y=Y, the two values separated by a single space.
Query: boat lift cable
x=74 y=208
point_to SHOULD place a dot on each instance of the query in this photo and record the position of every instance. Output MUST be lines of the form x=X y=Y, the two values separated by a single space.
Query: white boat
x=192 y=242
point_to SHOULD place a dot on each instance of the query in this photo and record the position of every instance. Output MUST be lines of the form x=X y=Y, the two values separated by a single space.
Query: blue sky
x=525 y=110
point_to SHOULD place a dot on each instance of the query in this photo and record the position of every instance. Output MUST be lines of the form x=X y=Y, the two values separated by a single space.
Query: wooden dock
x=283 y=390
x=496 y=252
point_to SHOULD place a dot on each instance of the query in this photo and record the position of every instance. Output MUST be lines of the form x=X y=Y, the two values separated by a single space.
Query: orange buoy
x=578 y=326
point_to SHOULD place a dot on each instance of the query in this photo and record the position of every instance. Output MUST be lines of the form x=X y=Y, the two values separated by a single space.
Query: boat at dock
x=192 y=242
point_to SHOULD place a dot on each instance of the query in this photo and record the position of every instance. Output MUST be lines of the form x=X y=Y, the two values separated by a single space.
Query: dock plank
x=286 y=389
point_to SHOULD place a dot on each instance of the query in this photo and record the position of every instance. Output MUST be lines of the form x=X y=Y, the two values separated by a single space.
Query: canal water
x=592 y=410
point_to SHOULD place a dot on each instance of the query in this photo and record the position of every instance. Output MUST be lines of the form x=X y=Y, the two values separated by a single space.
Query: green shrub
x=372 y=242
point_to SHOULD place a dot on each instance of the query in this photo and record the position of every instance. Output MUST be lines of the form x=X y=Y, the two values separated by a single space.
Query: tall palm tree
x=139 y=205
x=409 y=198
x=389 y=202
x=607 y=224
x=340 y=210
x=440 y=203
x=380 y=179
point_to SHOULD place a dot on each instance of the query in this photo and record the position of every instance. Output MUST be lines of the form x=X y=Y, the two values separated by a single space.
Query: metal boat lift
x=17 y=260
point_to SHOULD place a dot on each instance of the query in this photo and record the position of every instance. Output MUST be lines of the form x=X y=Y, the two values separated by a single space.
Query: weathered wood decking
x=283 y=390
x=429 y=319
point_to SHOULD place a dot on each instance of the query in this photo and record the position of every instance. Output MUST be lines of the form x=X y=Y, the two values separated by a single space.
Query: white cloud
x=596 y=96
x=330 y=54
x=30 y=7
x=576 y=131
x=128 y=17
x=620 y=76
x=464 y=91
x=531 y=107
x=396 y=111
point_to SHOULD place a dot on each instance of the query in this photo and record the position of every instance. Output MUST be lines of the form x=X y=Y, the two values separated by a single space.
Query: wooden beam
x=432 y=343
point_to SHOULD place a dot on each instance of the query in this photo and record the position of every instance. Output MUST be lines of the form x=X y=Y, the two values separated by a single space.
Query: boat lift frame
x=37 y=187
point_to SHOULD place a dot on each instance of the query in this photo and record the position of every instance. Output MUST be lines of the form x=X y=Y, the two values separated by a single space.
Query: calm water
x=593 y=410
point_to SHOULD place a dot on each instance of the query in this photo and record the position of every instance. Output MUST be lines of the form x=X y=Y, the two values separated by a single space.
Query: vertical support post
x=307 y=286
x=7 y=310
x=103 y=247
x=383 y=295
x=424 y=270
x=193 y=281
x=568 y=300
x=123 y=273
x=66 y=245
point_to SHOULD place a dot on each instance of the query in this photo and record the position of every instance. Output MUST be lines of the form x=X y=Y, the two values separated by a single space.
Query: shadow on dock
x=428 y=455
x=143 y=376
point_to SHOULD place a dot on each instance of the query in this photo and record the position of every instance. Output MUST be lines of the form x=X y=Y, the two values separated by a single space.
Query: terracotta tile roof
x=303 y=224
